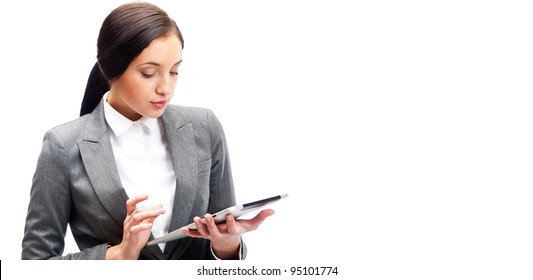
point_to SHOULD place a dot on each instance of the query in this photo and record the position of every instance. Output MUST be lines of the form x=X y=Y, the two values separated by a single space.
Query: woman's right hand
x=137 y=229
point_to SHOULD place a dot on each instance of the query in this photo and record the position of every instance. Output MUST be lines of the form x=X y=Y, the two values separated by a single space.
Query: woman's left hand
x=226 y=237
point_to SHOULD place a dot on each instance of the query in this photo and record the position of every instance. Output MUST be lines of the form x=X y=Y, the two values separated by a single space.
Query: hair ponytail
x=96 y=87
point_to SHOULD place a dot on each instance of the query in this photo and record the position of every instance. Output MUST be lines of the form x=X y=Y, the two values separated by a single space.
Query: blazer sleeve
x=222 y=192
x=50 y=205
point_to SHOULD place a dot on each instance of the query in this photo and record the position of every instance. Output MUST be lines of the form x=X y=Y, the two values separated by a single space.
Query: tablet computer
x=220 y=216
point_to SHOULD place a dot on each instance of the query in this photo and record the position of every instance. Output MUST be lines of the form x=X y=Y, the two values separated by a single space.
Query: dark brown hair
x=124 y=34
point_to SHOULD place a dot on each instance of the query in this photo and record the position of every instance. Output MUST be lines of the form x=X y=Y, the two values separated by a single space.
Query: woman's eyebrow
x=157 y=64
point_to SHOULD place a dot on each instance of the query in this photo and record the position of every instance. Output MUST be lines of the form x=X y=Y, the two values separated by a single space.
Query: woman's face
x=147 y=85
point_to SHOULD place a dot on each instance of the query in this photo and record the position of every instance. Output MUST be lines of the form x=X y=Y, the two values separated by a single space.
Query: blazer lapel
x=99 y=161
x=97 y=156
x=182 y=147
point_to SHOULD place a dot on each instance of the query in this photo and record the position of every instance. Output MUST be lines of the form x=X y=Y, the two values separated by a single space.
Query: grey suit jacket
x=76 y=182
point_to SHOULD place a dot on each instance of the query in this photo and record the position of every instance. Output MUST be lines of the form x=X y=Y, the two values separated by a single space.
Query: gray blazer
x=76 y=182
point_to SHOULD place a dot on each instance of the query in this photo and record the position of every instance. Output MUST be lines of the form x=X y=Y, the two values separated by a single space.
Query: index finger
x=132 y=202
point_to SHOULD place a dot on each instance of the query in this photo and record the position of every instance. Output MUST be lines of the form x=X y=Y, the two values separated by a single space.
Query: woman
x=133 y=167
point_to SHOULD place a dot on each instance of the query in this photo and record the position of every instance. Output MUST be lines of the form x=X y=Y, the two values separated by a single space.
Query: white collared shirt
x=143 y=162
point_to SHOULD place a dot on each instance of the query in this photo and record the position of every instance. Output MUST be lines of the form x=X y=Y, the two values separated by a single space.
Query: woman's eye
x=148 y=75
x=174 y=73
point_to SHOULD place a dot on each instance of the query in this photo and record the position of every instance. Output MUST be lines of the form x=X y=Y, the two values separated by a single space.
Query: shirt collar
x=119 y=124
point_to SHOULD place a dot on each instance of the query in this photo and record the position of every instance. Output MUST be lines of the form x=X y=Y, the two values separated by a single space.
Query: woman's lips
x=159 y=104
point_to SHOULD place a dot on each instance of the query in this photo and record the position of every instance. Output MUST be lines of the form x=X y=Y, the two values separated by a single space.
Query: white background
x=401 y=130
